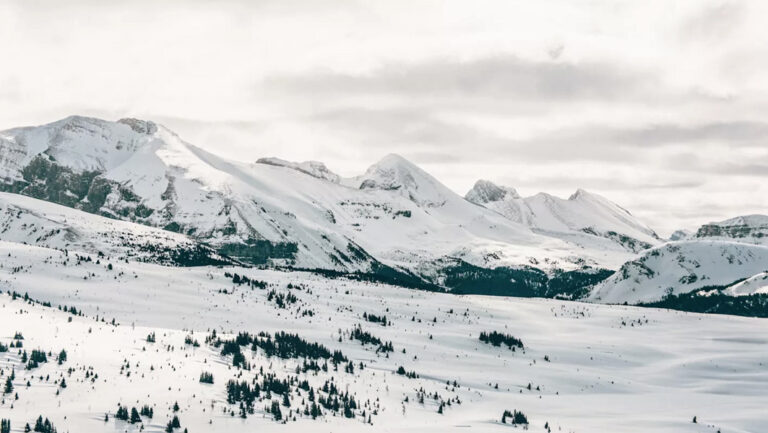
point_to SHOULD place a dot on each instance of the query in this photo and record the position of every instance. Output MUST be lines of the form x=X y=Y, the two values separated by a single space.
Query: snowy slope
x=610 y=368
x=754 y=284
x=583 y=216
x=36 y=222
x=297 y=214
x=682 y=267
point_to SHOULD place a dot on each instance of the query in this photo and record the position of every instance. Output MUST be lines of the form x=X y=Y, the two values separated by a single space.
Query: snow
x=612 y=368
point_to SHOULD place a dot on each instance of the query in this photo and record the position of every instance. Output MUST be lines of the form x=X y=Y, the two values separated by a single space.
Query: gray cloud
x=713 y=22
x=491 y=78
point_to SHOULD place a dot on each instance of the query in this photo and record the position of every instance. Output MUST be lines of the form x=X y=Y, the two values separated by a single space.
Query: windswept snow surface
x=611 y=368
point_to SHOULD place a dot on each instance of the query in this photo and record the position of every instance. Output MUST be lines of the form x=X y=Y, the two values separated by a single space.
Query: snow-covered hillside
x=302 y=214
x=37 y=222
x=755 y=284
x=581 y=367
x=682 y=267
x=581 y=218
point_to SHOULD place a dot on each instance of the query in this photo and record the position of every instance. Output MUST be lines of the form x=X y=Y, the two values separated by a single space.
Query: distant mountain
x=581 y=218
x=681 y=235
x=748 y=228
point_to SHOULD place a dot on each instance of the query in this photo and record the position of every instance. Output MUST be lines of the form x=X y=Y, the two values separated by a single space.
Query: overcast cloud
x=658 y=105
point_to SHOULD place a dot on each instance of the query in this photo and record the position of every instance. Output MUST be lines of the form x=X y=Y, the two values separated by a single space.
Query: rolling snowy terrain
x=582 y=367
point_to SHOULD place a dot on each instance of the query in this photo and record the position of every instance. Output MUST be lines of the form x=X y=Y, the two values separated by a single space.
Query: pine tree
x=62 y=357
x=5 y=426
x=276 y=413
x=135 y=418
x=8 y=386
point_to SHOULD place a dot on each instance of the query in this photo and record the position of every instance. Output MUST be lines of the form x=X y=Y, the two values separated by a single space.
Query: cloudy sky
x=659 y=105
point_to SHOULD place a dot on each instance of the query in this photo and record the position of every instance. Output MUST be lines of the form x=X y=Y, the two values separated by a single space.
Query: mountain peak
x=580 y=194
x=395 y=173
x=485 y=191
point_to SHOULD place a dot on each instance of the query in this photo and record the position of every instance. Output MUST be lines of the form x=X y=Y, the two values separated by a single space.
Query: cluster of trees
x=712 y=300
x=409 y=374
x=151 y=338
x=376 y=319
x=206 y=377
x=71 y=310
x=5 y=425
x=41 y=426
x=498 y=338
x=239 y=280
x=282 y=300
x=16 y=295
x=282 y=345
x=314 y=401
x=34 y=359
x=515 y=418
x=191 y=341
x=365 y=337
x=134 y=416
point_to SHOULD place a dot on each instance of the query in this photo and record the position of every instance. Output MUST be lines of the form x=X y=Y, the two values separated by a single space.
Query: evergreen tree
x=8 y=386
x=62 y=357
x=135 y=418
x=276 y=413
x=5 y=426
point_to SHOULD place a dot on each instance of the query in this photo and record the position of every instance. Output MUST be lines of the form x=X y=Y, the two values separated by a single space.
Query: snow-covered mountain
x=730 y=257
x=302 y=214
x=682 y=267
x=581 y=218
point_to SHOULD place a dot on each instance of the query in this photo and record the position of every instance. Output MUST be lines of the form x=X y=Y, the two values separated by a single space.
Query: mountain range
x=143 y=184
